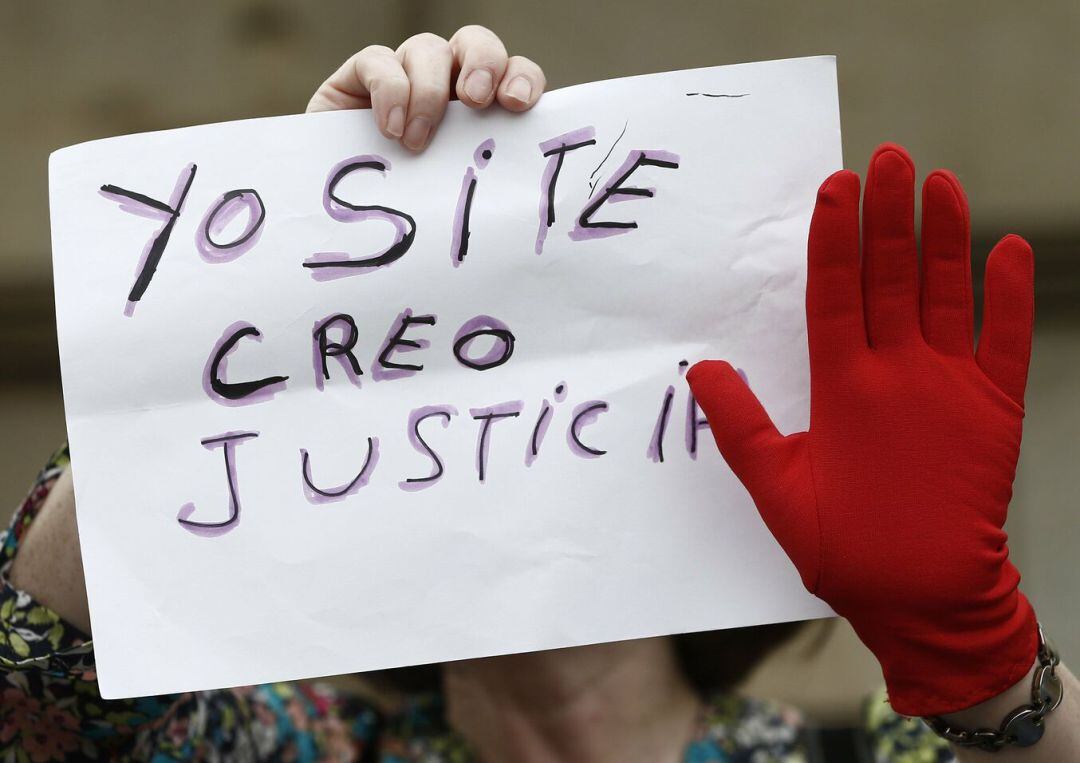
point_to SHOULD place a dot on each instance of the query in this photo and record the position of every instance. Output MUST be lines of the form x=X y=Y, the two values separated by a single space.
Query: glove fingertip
x=704 y=370
x=841 y=183
x=1013 y=245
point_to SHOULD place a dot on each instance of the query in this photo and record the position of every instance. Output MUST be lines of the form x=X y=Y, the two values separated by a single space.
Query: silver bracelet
x=1025 y=725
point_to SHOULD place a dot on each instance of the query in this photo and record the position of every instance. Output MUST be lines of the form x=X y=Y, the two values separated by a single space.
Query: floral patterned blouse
x=50 y=708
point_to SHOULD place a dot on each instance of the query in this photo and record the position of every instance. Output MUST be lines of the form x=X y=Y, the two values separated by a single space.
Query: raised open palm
x=891 y=505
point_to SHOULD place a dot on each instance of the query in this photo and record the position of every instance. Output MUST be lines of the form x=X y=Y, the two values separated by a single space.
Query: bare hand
x=409 y=88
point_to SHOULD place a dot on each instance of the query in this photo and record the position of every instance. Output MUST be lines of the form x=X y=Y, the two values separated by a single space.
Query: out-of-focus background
x=988 y=88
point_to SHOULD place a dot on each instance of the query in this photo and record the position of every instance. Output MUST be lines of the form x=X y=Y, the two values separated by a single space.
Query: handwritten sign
x=333 y=407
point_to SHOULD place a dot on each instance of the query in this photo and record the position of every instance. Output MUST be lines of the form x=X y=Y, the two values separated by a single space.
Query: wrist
x=988 y=714
x=1015 y=718
x=932 y=669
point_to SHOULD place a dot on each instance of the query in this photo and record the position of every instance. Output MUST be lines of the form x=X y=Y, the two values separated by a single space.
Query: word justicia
x=425 y=420
x=231 y=226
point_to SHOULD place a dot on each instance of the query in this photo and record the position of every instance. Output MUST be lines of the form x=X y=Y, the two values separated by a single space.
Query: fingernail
x=416 y=133
x=395 y=123
x=478 y=85
x=520 y=89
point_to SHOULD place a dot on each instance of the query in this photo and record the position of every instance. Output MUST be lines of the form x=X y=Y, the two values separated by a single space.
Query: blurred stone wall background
x=988 y=88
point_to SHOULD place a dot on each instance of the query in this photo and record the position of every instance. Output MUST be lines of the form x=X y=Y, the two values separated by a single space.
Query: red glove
x=891 y=506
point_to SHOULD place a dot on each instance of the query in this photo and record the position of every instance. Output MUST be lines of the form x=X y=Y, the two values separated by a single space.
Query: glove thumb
x=774 y=469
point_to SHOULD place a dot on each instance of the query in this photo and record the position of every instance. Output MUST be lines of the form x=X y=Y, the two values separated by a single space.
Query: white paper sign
x=333 y=407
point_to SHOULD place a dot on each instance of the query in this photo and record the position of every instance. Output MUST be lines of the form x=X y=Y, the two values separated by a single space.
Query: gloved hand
x=891 y=506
